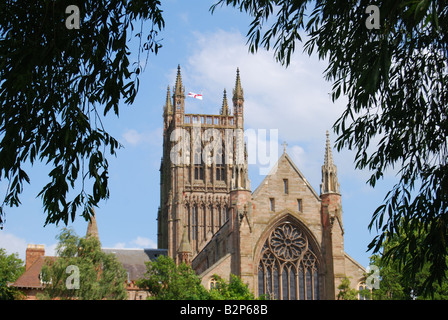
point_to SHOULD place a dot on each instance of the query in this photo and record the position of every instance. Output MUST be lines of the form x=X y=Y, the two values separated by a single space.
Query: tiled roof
x=133 y=260
x=30 y=278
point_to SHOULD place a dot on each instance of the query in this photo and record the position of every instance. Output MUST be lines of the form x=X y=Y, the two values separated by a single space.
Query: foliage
x=394 y=286
x=390 y=285
x=101 y=275
x=11 y=267
x=345 y=292
x=165 y=280
x=235 y=289
x=395 y=79
x=56 y=84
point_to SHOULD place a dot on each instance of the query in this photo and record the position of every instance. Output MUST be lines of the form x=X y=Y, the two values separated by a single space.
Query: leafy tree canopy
x=56 y=84
x=346 y=292
x=395 y=79
x=165 y=280
x=235 y=289
x=11 y=267
x=395 y=286
x=83 y=271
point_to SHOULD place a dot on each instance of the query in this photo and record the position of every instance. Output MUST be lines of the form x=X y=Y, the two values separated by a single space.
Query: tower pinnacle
x=238 y=101
x=168 y=106
x=329 y=171
x=225 y=107
x=238 y=91
x=178 y=87
x=178 y=96
x=328 y=160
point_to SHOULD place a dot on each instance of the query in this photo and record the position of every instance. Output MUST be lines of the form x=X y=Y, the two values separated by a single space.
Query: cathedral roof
x=133 y=260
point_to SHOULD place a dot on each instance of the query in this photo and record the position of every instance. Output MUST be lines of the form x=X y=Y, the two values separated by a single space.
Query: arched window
x=194 y=223
x=364 y=292
x=288 y=268
x=214 y=284
x=220 y=168
x=198 y=164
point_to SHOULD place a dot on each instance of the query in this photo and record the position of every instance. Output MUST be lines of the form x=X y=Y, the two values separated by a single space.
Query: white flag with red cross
x=195 y=95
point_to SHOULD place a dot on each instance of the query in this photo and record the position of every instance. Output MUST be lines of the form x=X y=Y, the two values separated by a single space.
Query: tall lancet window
x=220 y=168
x=288 y=268
x=285 y=186
x=194 y=223
x=198 y=165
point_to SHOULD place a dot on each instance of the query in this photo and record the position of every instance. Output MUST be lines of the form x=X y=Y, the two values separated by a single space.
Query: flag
x=195 y=95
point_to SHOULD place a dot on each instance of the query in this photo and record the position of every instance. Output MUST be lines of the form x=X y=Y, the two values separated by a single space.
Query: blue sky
x=209 y=48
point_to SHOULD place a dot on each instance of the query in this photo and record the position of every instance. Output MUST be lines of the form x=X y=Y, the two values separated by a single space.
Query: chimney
x=33 y=253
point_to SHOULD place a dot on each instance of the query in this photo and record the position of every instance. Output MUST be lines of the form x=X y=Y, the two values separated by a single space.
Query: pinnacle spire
x=168 y=106
x=238 y=101
x=328 y=161
x=185 y=243
x=178 y=87
x=238 y=91
x=92 y=228
x=178 y=94
x=329 y=171
x=225 y=107
x=184 y=252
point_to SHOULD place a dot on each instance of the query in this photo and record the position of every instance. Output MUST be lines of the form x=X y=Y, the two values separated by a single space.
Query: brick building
x=284 y=239
x=30 y=282
x=133 y=261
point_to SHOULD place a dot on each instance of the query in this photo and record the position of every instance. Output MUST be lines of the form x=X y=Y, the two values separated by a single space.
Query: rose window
x=288 y=267
x=287 y=242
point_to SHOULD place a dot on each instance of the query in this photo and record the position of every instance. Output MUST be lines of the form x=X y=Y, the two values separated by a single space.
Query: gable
x=285 y=169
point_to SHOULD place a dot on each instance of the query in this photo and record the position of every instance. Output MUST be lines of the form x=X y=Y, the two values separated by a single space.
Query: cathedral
x=283 y=239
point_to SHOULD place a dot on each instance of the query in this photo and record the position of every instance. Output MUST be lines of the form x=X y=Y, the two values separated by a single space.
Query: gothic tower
x=203 y=160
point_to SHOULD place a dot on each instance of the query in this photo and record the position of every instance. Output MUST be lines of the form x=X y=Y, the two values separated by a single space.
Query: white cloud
x=137 y=243
x=134 y=138
x=51 y=250
x=144 y=242
x=119 y=245
x=297 y=154
x=13 y=244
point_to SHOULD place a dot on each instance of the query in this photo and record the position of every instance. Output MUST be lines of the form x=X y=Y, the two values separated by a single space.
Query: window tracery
x=288 y=267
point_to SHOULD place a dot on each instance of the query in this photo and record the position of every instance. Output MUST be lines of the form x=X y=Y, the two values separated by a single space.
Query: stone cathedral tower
x=204 y=159
x=283 y=239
